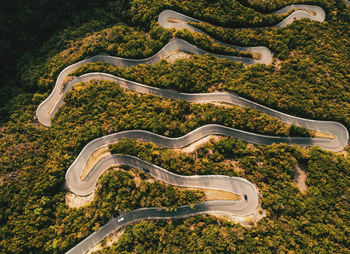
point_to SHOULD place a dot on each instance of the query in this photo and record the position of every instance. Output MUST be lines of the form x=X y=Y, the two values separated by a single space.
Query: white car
x=121 y=219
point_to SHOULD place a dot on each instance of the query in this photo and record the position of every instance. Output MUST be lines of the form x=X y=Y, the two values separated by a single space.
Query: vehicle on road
x=121 y=219
x=245 y=197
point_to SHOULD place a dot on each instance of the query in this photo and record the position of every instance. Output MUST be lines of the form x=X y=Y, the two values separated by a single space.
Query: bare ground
x=216 y=194
x=300 y=177
x=172 y=20
x=195 y=145
x=113 y=238
x=75 y=201
x=172 y=56
x=94 y=158
x=319 y=134
x=245 y=221
x=343 y=153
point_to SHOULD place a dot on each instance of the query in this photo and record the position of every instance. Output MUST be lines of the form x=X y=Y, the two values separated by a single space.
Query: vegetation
x=23 y=32
x=302 y=223
x=314 y=69
x=118 y=191
x=37 y=157
x=208 y=43
x=86 y=116
x=113 y=110
x=310 y=78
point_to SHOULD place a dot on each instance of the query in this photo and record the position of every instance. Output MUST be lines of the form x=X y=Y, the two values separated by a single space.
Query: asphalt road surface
x=244 y=206
x=237 y=185
x=50 y=105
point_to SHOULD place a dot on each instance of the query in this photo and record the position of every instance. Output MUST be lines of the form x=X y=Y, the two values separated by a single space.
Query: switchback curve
x=50 y=105
x=335 y=129
x=243 y=207
x=302 y=11
x=236 y=185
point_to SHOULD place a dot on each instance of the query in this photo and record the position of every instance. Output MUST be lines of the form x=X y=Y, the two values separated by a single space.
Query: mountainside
x=276 y=73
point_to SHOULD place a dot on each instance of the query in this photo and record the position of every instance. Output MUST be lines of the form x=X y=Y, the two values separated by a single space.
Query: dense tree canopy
x=309 y=78
x=297 y=222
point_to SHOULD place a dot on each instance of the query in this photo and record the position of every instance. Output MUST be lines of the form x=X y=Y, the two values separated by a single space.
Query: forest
x=294 y=221
x=309 y=78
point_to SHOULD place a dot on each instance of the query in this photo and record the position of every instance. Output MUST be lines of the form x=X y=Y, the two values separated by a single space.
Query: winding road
x=244 y=206
x=50 y=105
x=237 y=185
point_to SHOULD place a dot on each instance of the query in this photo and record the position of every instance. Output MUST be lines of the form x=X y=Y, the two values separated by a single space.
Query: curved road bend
x=336 y=129
x=167 y=19
x=242 y=207
x=87 y=186
x=237 y=185
x=49 y=106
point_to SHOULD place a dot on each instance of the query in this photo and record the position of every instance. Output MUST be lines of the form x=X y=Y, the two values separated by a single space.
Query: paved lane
x=235 y=185
x=50 y=105
x=333 y=128
x=240 y=186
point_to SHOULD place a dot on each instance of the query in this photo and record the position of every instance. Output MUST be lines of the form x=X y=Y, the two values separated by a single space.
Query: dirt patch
x=216 y=194
x=172 y=56
x=108 y=242
x=172 y=20
x=256 y=56
x=222 y=104
x=343 y=153
x=93 y=159
x=309 y=11
x=245 y=221
x=277 y=64
x=300 y=177
x=75 y=201
x=319 y=134
x=195 y=145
